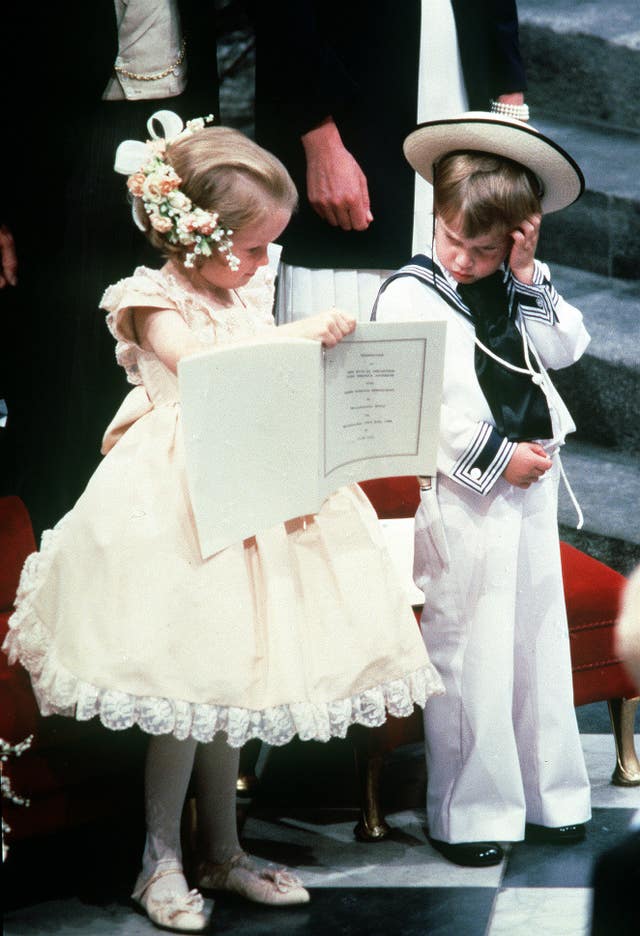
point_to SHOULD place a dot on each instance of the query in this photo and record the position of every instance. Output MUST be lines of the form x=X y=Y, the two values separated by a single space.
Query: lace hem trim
x=59 y=692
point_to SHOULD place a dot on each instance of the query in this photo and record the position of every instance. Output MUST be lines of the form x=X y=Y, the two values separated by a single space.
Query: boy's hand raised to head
x=527 y=464
x=523 y=252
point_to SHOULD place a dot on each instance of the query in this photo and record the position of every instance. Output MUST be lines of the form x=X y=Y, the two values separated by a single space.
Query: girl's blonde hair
x=484 y=191
x=222 y=170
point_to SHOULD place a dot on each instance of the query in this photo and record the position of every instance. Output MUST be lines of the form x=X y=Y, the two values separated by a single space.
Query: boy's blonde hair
x=222 y=170
x=484 y=191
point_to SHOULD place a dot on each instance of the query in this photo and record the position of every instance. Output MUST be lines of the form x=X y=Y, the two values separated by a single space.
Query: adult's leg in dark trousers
x=31 y=359
x=102 y=246
x=616 y=881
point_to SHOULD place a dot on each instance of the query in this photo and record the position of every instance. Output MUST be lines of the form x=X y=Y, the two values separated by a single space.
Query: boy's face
x=469 y=259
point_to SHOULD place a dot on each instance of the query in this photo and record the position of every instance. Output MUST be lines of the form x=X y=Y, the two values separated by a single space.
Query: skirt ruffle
x=58 y=691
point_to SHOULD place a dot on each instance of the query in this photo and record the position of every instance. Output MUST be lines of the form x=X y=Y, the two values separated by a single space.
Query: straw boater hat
x=561 y=180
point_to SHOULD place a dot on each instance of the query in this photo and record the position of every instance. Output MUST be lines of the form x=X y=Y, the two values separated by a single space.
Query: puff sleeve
x=139 y=291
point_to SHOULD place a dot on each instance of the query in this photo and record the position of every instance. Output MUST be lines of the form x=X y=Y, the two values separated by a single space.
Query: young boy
x=502 y=745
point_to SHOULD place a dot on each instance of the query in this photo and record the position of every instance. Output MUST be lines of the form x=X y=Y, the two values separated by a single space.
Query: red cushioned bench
x=74 y=773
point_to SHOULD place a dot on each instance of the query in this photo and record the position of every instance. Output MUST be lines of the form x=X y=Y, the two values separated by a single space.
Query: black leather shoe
x=555 y=835
x=470 y=854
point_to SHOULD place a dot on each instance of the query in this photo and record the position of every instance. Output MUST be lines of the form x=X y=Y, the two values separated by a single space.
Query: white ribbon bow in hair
x=132 y=155
x=158 y=202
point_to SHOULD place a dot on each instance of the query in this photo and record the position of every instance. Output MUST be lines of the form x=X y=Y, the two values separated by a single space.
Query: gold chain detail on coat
x=154 y=76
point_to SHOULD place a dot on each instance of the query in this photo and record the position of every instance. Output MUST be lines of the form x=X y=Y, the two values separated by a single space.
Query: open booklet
x=272 y=427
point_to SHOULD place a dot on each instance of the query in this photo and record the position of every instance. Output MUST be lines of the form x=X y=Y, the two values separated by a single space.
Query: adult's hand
x=514 y=97
x=336 y=185
x=8 y=258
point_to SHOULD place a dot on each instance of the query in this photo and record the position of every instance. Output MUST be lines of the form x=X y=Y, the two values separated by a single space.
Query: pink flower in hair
x=160 y=223
x=187 y=223
x=135 y=183
x=179 y=201
x=169 y=184
x=152 y=188
x=206 y=221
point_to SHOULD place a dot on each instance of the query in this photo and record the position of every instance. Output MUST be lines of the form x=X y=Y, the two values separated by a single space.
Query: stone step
x=602 y=389
x=600 y=232
x=583 y=59
x=583 y=68
x=236 y=69
x=607 y=486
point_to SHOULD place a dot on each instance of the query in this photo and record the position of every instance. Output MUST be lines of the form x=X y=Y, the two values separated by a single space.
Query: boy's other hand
x=523 y=252
x=527 y=465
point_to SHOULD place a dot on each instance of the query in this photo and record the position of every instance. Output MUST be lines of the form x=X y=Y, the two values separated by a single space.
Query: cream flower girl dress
x=301 y=629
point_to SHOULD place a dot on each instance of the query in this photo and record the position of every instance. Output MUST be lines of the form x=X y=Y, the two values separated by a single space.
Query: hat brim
x=560 y=175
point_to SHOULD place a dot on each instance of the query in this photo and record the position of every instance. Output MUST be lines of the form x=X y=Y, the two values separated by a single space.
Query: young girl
x=300 y=629
x=502 y=746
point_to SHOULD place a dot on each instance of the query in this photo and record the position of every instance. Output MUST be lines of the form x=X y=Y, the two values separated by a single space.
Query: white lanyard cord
x=569 y=490
x=537 y=379
x=528 y=370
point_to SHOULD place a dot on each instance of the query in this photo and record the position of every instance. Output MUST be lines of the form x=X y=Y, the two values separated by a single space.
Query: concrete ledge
x=602 y=390
x=621 y=556
x=604 y=401
x=616 y=21
x=607 y=485
x=236 y=68
x=610 y=308
x=583 y=59
x=601 y=232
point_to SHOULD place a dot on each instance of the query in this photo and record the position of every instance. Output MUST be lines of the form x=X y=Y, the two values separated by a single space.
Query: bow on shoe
x=180 y=913
x=193 y=902
x=283 y=879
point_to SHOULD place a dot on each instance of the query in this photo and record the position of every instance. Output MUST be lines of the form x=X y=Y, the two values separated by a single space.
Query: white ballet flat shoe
x=275 y=886
x=178 y=913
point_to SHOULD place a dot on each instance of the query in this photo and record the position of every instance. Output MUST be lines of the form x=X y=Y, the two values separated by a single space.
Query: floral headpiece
x=156 y=183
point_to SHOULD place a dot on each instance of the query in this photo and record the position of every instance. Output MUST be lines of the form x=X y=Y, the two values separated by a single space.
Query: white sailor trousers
x=502 y=745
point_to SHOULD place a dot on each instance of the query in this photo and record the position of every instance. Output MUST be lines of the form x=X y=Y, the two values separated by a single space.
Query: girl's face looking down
x=469 y=259
x=249 y=246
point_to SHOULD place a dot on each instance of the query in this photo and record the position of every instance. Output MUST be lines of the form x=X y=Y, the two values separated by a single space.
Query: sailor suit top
x=472 y=451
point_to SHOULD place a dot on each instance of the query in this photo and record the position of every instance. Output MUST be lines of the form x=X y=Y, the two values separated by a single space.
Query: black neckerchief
x=518 y=406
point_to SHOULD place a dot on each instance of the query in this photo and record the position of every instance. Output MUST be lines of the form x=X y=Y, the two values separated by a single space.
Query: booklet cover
x=272 y=427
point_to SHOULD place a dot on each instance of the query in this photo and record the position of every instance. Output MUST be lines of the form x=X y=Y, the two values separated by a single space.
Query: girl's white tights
x=216 y=776
x=168 y=770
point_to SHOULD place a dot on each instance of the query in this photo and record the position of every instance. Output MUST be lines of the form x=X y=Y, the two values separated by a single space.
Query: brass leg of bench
x=247 y=783
x=372 y=826
x=622 y=713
